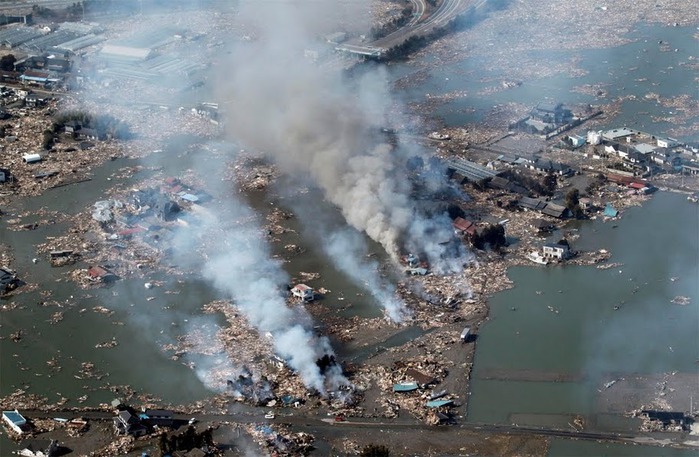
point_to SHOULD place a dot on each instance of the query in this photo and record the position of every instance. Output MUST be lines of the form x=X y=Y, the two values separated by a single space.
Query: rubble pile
x=280 y=441
x=65 y=163
x=422 y=365
x=252 y=172
x=20 y=399
x=120 y=445
x=249 y=371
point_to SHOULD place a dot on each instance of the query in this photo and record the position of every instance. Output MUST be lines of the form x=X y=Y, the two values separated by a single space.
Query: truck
x=465 y=333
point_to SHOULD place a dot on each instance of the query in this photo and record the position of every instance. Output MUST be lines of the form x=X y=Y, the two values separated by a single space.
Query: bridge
x=419 y=25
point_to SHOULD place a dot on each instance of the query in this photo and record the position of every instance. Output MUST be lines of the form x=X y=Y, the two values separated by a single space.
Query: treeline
x=107 y=126
x=394 y=24
x=461 y=22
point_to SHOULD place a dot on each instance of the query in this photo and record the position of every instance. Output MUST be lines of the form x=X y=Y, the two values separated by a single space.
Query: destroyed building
x=8 y=280
x=258 y=392
x=126 y=423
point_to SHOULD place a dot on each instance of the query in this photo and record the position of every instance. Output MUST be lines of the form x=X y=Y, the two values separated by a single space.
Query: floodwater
x=142 y=320
x=554 y=339
x=585 y=341
x=641 y=67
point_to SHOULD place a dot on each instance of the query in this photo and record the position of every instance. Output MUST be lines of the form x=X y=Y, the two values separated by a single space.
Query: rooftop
x=617 y=133
x=14 y=417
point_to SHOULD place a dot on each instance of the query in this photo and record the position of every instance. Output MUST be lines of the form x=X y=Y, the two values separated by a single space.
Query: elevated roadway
x=419 y=25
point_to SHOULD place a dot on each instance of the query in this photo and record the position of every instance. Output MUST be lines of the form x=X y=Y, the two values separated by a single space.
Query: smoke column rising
x=242 y=267
x=346 y=249
x=311 y=122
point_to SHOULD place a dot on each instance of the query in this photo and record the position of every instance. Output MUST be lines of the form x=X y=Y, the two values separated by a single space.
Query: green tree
x=549 y=183
x=573 y=203
x=7 y=62
x=494 y=235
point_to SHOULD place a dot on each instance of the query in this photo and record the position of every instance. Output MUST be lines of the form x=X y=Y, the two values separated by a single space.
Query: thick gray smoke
x=240 y=265
x=347 y=250
x=311 y=122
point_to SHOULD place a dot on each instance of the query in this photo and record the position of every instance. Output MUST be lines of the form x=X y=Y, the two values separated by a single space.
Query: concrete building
x=303 y=292
x=15 y=421
x=556 y=251
x=616 y=134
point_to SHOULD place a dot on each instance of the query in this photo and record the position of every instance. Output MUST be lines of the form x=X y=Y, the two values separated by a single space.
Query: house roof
x=505 y=184
x=645 y=148
x=470 y=170
x=541 y=223
x=548 y=106
x=617 y=133
x=609 y=211
x=14 y=417
x=127 y=418
x=556 y=246
x=158 y=413
x=302 y=287
x=532 y=203
x=554 y=210
x=462 y=224
x=419 y=377
x=550 y=165
x=98 y=272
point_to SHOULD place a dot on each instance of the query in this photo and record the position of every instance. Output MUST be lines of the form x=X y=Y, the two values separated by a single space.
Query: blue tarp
x=439 y=403
x=405 y=387
x=609 y=211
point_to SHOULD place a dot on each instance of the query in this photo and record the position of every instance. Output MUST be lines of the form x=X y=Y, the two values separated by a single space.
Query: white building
x=556 y=251
x=303 y=292
x=15 y=421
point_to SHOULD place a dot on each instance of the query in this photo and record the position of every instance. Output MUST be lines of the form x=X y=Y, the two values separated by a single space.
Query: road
x=27 y=5
x=302 y=421
x=440 y=17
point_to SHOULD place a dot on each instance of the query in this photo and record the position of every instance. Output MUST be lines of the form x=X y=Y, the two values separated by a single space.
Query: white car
x=269 y=415
x=192 y=421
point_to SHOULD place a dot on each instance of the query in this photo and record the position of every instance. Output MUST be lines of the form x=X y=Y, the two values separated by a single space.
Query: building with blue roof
x=15 y=421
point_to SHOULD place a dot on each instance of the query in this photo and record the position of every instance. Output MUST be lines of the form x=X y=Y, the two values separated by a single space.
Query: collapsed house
x=8 y=280
x=258 y=392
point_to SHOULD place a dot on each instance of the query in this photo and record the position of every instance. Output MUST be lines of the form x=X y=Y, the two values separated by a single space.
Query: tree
x=7 y=62
x=47 y=140
x=494 y=235
x=573 y=203
x=375 y=450
x=550 y=182
x=572 y=198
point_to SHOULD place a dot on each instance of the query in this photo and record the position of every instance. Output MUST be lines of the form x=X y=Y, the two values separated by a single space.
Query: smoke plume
x=241 y=266
x=313 y=123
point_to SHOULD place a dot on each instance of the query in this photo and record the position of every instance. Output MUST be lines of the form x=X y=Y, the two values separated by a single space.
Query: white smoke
x=312 y=122
x=240 y=265
x=346 y=249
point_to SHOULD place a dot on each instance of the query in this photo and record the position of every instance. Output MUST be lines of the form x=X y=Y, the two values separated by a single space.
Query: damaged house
x=8 y=280
x=126 y=423
x=100 y=274
x=544 y=207
x=40 y=448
